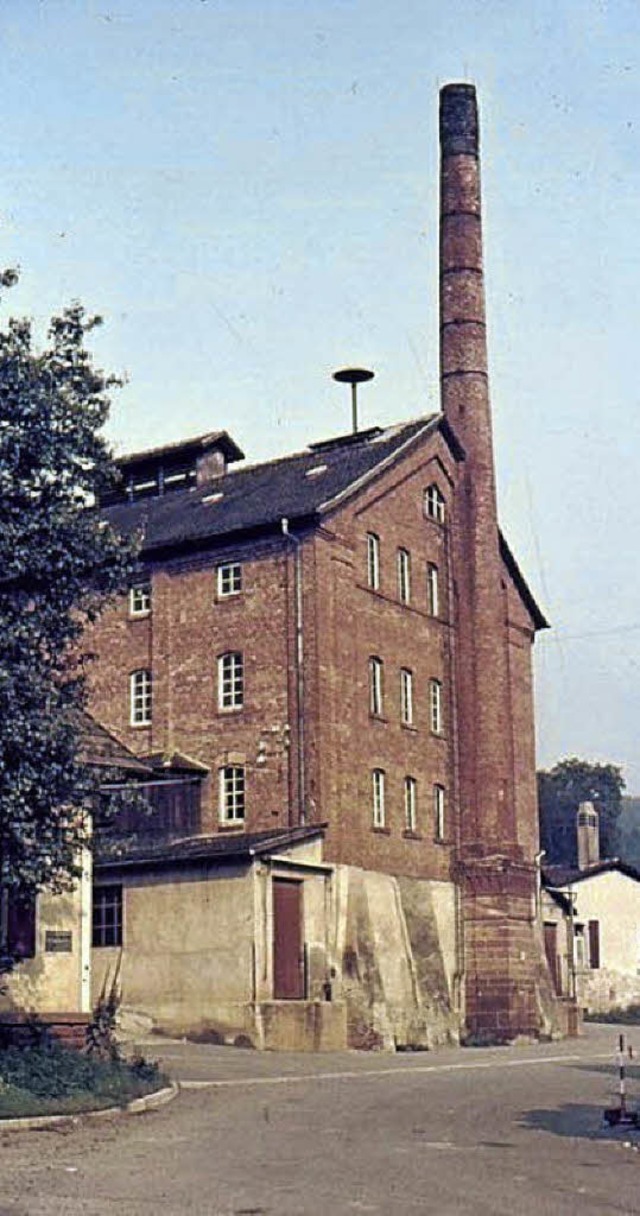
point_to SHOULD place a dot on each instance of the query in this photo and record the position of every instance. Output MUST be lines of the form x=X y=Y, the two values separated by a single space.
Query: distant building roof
x=566 y=876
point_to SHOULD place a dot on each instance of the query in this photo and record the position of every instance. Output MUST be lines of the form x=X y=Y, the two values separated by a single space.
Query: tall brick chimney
x=486 y=775
x=502 y=962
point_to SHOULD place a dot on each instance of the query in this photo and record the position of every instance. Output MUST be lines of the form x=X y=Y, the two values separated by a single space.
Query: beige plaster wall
x=50 y=982
x=395 y=945
x=198 y=948
x=613 y=899
x=188 y=948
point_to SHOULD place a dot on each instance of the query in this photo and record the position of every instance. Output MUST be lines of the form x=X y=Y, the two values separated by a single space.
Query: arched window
x=232 y=794
x=410 y=803
x=435 y=706
x=373 y=561
x=433 y=590
x=375 y=686
x=140 y=697
x=231 y=680
x=406 y=696
x=434 y=505
x=377 y=790
x=404 y=576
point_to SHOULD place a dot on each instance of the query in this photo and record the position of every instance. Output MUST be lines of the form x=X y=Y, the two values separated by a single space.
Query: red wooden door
x=288 y=944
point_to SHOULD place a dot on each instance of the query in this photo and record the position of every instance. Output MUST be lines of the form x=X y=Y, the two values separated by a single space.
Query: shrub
x=70 y=1079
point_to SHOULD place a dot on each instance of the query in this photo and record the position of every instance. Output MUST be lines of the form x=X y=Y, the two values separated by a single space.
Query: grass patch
x=50 y=1079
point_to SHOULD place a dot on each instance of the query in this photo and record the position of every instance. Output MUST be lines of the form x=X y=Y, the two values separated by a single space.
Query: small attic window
x=434 y=504
x=316 y=471
x=209 y=499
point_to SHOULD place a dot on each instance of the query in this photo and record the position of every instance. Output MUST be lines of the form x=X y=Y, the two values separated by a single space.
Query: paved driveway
x=474 y=1131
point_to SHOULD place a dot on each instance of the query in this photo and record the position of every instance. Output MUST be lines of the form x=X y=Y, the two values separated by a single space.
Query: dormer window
x=434 y=505
x=174 y=467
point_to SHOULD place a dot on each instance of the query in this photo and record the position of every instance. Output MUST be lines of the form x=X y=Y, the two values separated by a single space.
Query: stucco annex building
x=327 y=658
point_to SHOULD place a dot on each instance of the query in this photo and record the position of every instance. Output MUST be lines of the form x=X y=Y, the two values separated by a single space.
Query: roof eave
x=436 y=422
x=539 y=619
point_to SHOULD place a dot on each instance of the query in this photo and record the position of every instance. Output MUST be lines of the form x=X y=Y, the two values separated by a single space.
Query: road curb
x=137 y=1106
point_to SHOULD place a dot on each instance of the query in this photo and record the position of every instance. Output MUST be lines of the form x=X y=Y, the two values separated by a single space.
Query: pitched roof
x=103 y=750
x=238 y=846
x=257 y=497
x=565 y=876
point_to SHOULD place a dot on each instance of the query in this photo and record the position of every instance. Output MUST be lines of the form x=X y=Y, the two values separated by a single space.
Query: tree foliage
x=560 y=792
x=59 y=565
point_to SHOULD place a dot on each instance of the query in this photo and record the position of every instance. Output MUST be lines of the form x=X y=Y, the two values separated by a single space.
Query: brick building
x=336 y=646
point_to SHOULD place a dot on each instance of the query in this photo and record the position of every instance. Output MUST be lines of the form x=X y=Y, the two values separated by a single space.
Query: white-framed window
x=439 y=820
x=373 y=561
x=140 y=599
x=228 y=579
x=434 y=505
x=433 y=590
x=231 y=680
x=410 y=803
x=232 y=794
x=140 y=688
x=435 y=706
x=406 y=696
x=377 y=793
x=404 y=576
x=375 y=686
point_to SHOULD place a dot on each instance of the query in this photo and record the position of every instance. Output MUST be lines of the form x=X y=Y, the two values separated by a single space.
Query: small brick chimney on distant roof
x=588 y=829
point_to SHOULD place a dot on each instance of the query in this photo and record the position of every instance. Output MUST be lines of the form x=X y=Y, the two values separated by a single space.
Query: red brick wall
x=355 y=623
x=187 y=630
x=520 y=634
x=345 y=622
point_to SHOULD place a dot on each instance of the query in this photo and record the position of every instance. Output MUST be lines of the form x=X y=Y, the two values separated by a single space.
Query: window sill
x=228 y=599
x=140 y=725
x=410 y=726
x=139 y=616
x=231 y=825
x=225 y=710
x=381 y=831
x=378 y=718
x=407 y=835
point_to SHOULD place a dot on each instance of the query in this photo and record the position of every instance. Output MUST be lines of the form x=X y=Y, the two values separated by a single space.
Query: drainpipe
x=299 y=664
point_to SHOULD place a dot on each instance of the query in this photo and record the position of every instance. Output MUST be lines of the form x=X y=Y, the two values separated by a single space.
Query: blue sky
x=246 y=190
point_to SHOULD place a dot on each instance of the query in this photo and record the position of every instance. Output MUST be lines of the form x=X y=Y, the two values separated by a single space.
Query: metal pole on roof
x=353 y=376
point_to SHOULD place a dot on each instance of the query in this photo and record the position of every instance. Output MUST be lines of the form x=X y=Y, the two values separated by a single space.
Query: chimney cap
x=459 y=128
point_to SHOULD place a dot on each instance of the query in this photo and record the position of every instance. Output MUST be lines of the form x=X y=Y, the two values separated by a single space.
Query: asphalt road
x=483 y=1131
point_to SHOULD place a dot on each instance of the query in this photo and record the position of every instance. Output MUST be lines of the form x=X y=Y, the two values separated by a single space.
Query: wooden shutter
x=21 y=925
x=594 y=944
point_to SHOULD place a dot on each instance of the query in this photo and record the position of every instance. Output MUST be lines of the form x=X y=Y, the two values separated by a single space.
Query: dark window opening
x=107 y=916
x=17 y=924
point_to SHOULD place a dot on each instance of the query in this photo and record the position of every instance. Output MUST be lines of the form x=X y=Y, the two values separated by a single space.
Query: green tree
x=59 y=565
x=560 y=792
